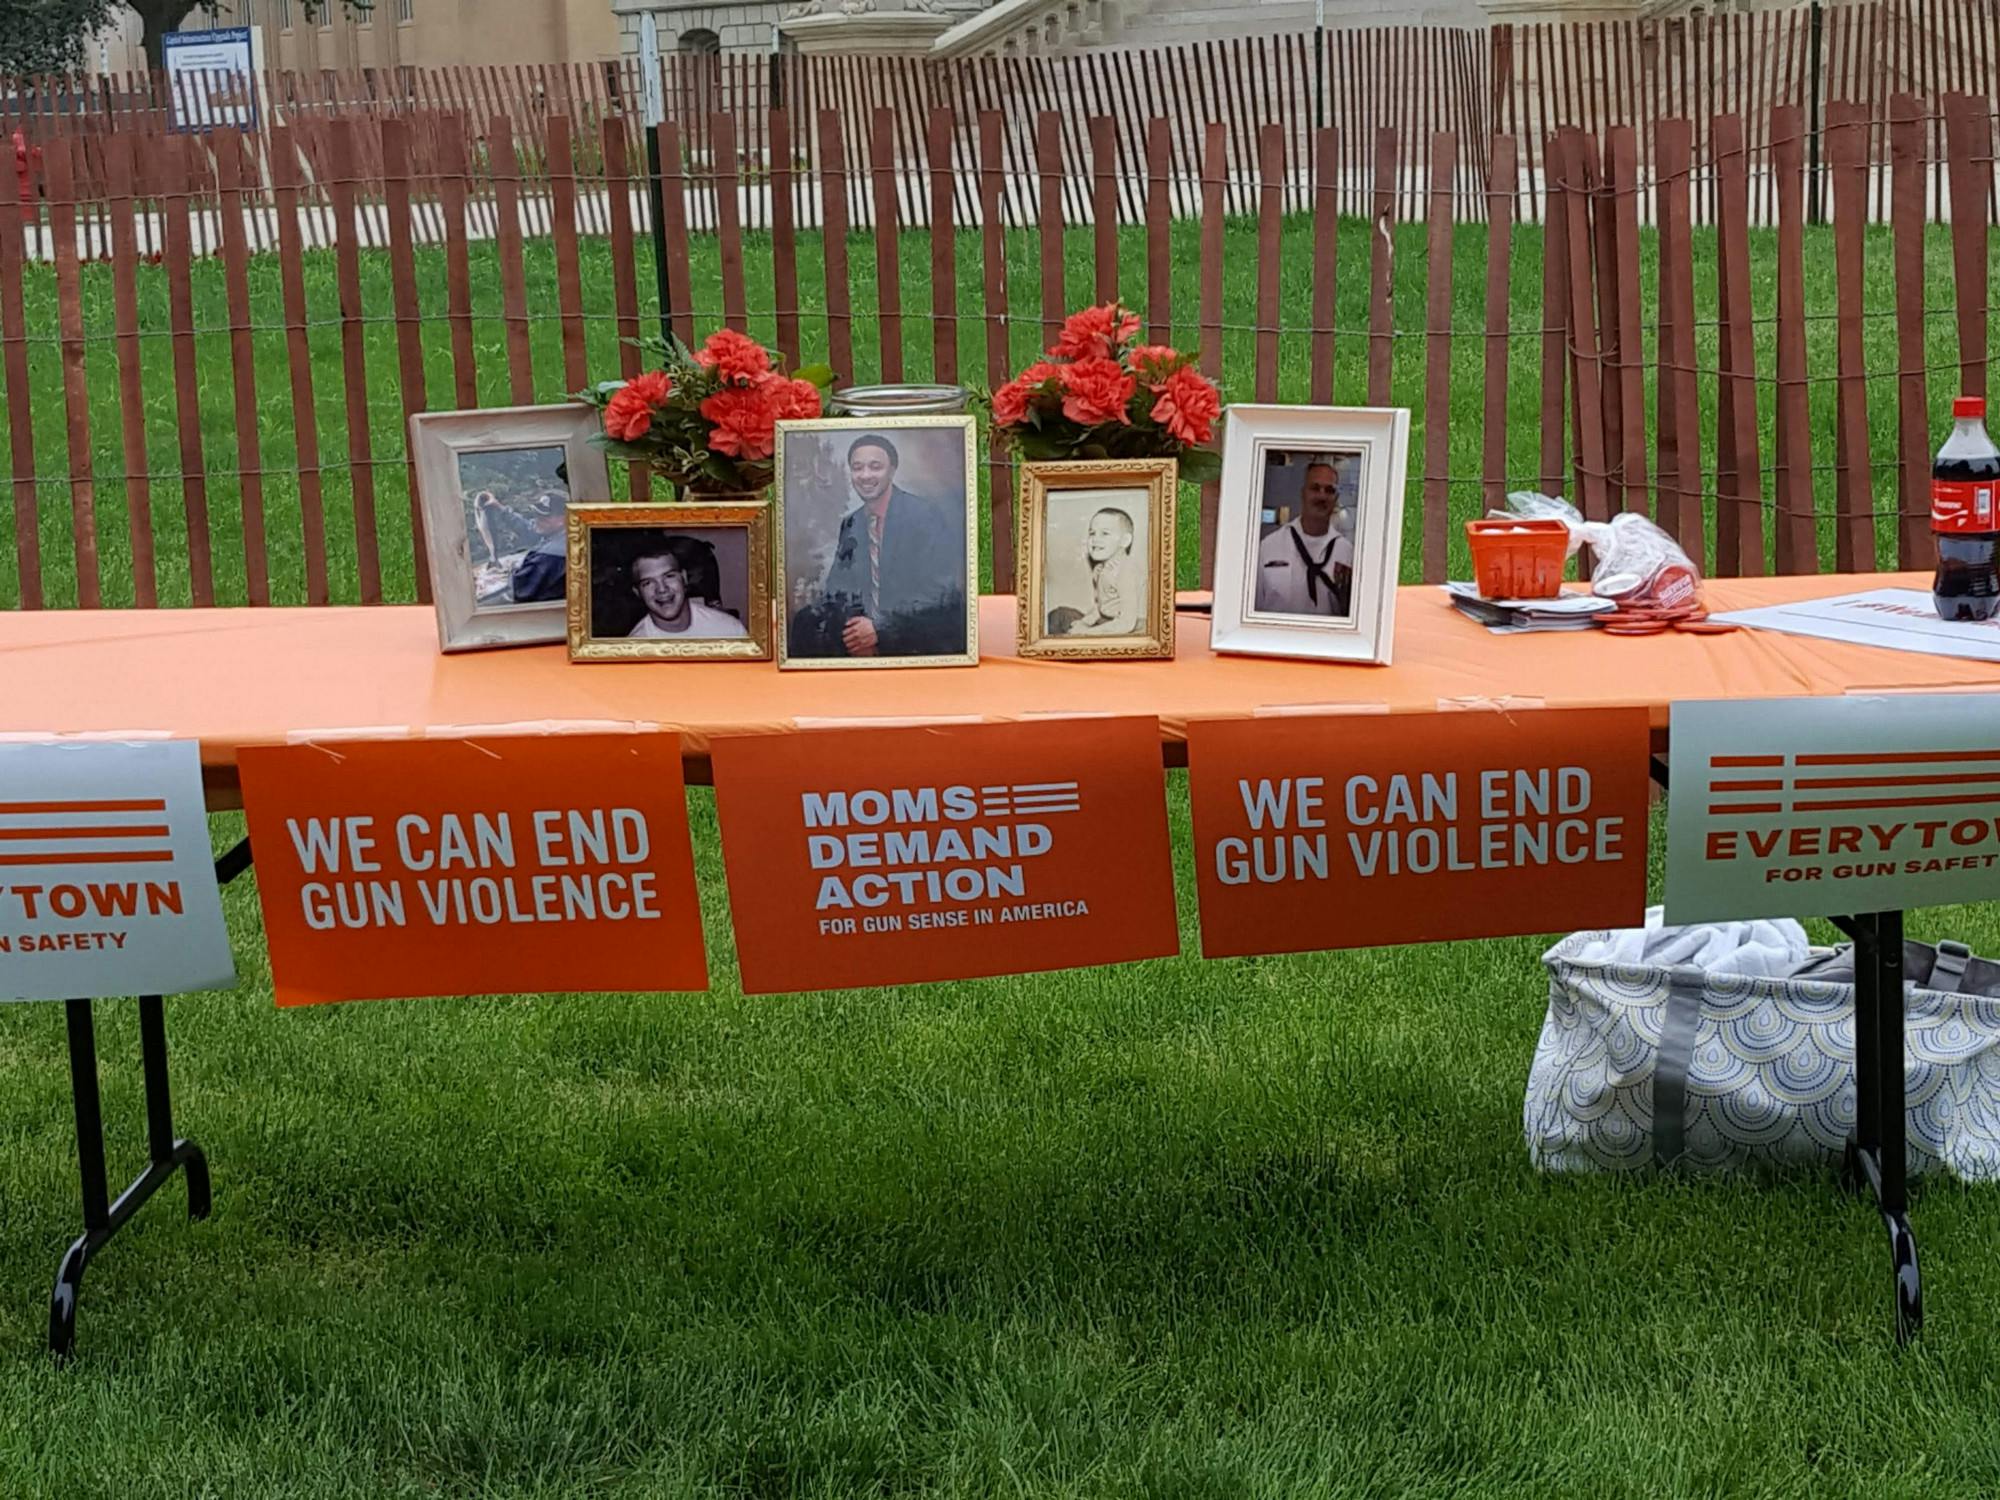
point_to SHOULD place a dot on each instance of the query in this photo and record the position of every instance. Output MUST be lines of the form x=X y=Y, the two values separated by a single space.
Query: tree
x=47 y=36
x=162 y=16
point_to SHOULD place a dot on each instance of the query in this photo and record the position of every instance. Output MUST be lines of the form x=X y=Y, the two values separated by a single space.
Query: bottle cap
x=1969 y=406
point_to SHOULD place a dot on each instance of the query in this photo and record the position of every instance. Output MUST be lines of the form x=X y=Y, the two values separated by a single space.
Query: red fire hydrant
x=24 y=166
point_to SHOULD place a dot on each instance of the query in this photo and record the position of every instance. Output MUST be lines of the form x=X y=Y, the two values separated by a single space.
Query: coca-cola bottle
x=1965 y=516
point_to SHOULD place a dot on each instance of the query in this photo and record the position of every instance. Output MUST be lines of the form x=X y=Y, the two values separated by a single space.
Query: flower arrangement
x=705 y=421
x=1099 y=393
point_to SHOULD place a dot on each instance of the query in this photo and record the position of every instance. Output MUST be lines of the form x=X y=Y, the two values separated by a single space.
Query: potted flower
x=1107 y=427
x=1099 y=394
x=705 y=421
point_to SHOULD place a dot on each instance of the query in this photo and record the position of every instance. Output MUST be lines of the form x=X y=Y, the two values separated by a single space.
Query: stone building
x=478 y=33
x=394 y=33
x=957 y=28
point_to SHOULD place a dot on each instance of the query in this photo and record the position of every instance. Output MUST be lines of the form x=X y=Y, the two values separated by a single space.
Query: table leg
x=102 y=1220
x=1867 y=1137
x=166 y=1153
x=1877 y=1156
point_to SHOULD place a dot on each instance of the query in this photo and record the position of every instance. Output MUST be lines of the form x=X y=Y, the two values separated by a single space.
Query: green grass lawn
x=1245 y=1228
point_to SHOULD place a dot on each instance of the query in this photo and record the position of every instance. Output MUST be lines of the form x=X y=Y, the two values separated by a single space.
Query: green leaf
x=1199 y=466
x=1035 y=443
x=636 y=452
x=819 y=375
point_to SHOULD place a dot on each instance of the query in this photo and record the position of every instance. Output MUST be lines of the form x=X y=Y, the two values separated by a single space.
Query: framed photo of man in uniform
x=1095 y=558
x=494 y=487
x=682 y=581
x=1309 y=534
x=877 y=542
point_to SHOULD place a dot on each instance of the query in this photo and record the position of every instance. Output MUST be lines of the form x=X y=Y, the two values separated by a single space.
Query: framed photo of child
x=1095 y=558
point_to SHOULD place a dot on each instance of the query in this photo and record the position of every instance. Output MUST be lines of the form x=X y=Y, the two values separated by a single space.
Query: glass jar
x=898 y=401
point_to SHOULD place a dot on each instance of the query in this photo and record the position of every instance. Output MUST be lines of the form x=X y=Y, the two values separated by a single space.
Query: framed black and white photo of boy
x=494 y=487
x=680 y=582
x=1309 y=531
x=1095 y=558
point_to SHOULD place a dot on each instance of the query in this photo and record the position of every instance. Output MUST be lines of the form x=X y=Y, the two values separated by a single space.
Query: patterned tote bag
x=1682 y=1065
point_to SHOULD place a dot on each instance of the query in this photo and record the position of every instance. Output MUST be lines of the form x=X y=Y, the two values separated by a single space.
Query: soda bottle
x=1965 y=516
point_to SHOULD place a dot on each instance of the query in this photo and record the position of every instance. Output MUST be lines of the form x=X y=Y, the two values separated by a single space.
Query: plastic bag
x=1636 y=563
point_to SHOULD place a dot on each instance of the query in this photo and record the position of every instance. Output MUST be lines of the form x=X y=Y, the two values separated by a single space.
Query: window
x=700 y=42
x=406 y=11
x=284 y=9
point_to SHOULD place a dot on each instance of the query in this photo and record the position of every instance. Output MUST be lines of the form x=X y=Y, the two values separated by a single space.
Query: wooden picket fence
x=1525 y=82
x=92 y=529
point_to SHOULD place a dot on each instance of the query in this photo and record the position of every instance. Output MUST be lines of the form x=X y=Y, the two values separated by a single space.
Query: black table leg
x=102 y=1219
x=167 y=1155
x=1877 y=1154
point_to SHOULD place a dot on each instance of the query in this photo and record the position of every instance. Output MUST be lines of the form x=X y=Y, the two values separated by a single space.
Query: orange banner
x=951 y=851
x=1338 y=832
x=506 y=865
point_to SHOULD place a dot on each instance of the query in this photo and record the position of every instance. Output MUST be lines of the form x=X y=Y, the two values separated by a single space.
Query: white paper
x=1832 y=806
x=1899 y=619
x=107 y=881
x=1561 y=604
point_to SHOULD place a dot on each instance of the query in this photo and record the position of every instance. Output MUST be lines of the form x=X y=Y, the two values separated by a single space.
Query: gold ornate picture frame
x=1094 y=560
x=701 y=568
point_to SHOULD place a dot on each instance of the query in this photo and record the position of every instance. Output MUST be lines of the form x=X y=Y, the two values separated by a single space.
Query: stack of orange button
x=1670 y=600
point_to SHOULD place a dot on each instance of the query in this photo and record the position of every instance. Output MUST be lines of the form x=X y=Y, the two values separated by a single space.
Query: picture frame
x=482 y=551
x=923 y=470
x=1094 y=553
x=1309 y=532
x=670 y=581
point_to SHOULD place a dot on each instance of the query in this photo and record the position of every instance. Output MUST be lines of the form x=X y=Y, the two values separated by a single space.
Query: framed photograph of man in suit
x=876 y=540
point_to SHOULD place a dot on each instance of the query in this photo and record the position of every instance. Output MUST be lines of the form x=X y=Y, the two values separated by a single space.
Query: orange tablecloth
x=232 y=677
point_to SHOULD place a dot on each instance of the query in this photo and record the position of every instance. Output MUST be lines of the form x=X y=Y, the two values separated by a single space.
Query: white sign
x=1832 y=806
x=654 y=106
x=107 y=883
x=211 y=77
x=1900 y=619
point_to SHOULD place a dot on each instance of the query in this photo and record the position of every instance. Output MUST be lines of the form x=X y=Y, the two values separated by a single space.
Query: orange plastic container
x=1517 y=559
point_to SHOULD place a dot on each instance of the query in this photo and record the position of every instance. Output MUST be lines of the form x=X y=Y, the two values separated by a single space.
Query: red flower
x=736 y=357
x=1010 y=402
x=1155 y=360
x=1187 y=403
x=1096 y=332
x=795 y=400
x=742 y=418
x=628 y=416
x=1096 y=391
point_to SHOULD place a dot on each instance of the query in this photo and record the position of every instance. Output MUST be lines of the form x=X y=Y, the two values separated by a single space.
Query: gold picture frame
x=788 y=477
x=590 y=576
x=1116 y=488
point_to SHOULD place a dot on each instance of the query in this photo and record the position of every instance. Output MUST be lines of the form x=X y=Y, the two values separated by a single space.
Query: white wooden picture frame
x=451 y=448
x=1255 y=613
